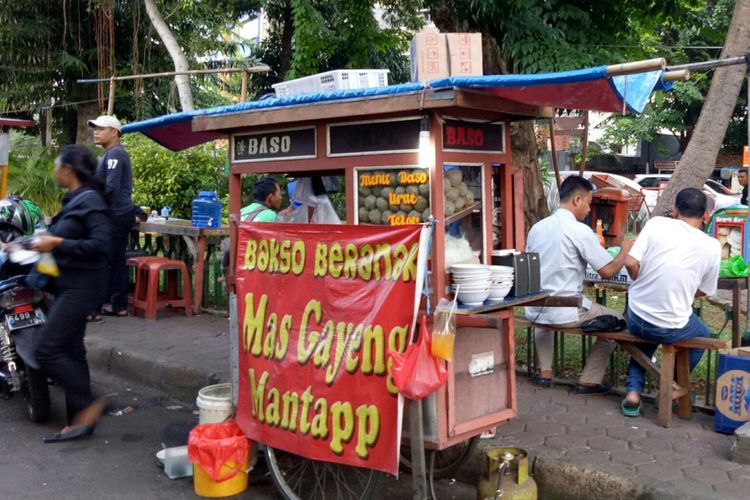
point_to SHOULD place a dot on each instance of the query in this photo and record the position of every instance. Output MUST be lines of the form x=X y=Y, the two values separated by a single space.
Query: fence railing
x=215 y=297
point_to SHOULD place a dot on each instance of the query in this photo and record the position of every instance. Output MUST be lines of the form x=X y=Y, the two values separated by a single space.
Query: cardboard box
x=440 y=55
x=732 y=392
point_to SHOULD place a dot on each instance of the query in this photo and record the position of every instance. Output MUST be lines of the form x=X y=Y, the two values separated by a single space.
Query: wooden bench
x=674 y=374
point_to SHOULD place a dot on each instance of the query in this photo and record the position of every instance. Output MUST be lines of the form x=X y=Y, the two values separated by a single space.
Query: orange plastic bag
x=213 y=445
x=417 y=373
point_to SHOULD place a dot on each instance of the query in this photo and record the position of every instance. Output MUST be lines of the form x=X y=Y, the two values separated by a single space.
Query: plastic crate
x=340 y=79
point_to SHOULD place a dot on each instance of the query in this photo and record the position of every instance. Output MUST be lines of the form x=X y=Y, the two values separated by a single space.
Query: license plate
x=17 y=321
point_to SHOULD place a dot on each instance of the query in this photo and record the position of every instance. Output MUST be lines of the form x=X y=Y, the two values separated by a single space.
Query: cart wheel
x=447 y=461
x=299 y=478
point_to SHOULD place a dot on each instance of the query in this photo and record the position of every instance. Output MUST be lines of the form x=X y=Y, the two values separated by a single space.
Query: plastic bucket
x=214 y=404
x=204 y=486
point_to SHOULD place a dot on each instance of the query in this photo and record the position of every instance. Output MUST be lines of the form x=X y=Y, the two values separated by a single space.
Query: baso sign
x=277 y=145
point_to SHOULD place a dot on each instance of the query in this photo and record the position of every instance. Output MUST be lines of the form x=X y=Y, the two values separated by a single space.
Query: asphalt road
x=118 y=461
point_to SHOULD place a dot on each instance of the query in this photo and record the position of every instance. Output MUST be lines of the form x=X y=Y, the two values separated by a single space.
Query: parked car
x=723 y=197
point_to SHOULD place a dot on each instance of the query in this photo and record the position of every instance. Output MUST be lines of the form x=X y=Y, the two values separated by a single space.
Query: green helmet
x=19 y=214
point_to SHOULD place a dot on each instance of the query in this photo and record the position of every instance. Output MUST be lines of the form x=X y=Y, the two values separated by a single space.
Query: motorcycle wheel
x=36 y=394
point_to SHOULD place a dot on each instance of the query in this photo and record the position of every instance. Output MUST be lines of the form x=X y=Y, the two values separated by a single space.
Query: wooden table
x=195 y=239
x=533 y=299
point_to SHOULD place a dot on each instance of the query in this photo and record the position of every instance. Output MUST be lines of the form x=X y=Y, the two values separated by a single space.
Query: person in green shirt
x=266 y=202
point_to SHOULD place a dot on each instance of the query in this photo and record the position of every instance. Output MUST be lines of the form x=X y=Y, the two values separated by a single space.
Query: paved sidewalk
x=582 y=446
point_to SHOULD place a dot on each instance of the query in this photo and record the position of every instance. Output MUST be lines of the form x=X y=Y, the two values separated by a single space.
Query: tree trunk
x=287 y=35
x=699 y=158
x=525 y=154
x=175 y=52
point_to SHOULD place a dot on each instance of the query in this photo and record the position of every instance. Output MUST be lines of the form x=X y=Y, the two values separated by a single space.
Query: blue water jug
x=206 y=210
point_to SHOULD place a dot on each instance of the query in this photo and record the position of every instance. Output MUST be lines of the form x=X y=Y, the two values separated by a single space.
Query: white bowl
x=473 y=298
x=498 y=293
x=462 y=268
x=477 y=288
x=472 y=281
x=500 y=269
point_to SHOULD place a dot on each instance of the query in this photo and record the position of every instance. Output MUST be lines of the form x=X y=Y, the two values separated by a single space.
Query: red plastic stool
x=147 y=298
x=137 y=262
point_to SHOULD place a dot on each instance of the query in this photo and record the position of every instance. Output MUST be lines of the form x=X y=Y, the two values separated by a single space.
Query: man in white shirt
x=565 y=245
x=672 y=262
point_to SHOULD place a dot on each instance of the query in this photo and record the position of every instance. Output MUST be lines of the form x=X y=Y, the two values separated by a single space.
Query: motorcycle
x=22 y=313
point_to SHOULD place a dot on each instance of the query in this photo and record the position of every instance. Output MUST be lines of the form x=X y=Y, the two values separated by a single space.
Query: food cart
x=411 y=154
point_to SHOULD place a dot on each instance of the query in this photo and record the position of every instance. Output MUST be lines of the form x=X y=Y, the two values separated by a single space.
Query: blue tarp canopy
x=586 y=89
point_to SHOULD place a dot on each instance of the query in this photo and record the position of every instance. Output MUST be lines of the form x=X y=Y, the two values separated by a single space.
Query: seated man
x=672 y=262
x=565 y=246
x=266 y=202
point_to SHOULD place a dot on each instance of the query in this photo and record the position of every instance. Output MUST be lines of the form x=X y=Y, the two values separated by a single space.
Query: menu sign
x=473 y=136
x=374 y=137
x=278 y=145
x=393 y=197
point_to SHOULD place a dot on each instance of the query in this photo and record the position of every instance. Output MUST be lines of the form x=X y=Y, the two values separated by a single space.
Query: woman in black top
x=79 y=241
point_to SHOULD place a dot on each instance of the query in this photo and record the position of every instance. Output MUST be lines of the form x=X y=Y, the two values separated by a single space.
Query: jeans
x=640 y=328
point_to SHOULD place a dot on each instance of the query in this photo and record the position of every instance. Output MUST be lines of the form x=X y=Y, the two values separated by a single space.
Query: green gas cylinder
x=507 y=476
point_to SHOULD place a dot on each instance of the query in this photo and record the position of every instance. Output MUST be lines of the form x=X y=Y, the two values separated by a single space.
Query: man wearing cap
x=115 y=168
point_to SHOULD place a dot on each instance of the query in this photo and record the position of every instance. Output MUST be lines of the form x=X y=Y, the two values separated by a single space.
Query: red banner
x=319 y=307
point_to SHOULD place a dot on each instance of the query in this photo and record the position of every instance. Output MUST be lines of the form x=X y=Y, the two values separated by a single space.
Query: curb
x=178 y=381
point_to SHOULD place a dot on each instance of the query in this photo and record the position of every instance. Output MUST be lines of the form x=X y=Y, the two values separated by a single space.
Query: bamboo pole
x=682 y=75
x=243 y=91
x=636 y=67
x=553 y=150
x=111 y=102
x=585 y=143
x=715 y=63
x=254 y=69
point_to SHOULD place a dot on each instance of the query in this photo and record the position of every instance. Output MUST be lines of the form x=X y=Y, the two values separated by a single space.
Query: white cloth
x=564 y=246
x=676 y=260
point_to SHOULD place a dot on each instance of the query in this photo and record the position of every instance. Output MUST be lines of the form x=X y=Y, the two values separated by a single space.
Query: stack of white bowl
x=501 y=281
x=472 y=282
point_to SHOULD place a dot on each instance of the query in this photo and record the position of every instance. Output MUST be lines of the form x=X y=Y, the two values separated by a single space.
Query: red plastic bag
x=417 y=373
x=213 y=445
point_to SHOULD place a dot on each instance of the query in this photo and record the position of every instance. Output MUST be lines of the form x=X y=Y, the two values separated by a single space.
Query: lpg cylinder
x=507 y=476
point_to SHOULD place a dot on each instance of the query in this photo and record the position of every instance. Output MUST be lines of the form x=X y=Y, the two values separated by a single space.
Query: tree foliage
x=47 y=45
x=308 y=37
x=163 y=177
x=691 y=36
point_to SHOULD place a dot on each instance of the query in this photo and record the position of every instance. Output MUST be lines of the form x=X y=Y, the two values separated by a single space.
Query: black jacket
x=84 y=224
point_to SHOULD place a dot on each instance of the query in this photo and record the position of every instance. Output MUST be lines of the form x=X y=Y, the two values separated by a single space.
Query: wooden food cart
x=414 y=144
x=411 y=154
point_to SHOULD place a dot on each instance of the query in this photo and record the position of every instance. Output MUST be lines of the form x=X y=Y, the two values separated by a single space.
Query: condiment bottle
x=600 y=232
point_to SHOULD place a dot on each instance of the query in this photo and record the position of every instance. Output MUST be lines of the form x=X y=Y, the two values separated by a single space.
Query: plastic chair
x=146 y=296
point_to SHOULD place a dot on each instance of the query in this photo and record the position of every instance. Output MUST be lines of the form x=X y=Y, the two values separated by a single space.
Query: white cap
x=106 y=121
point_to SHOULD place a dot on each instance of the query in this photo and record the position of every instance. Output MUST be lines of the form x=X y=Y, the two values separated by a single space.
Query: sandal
x=631 y=411
x=111 y=312
x=94 y=318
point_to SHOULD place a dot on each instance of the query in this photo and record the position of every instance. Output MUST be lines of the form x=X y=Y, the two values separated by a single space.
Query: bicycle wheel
x=299 y=478
x=447 y=461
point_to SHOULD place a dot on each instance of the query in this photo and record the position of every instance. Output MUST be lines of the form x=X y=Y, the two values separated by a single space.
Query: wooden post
x=243 y=92
x=111 y=101
x=585 y=146
x=553 y=151
x=418 y=463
